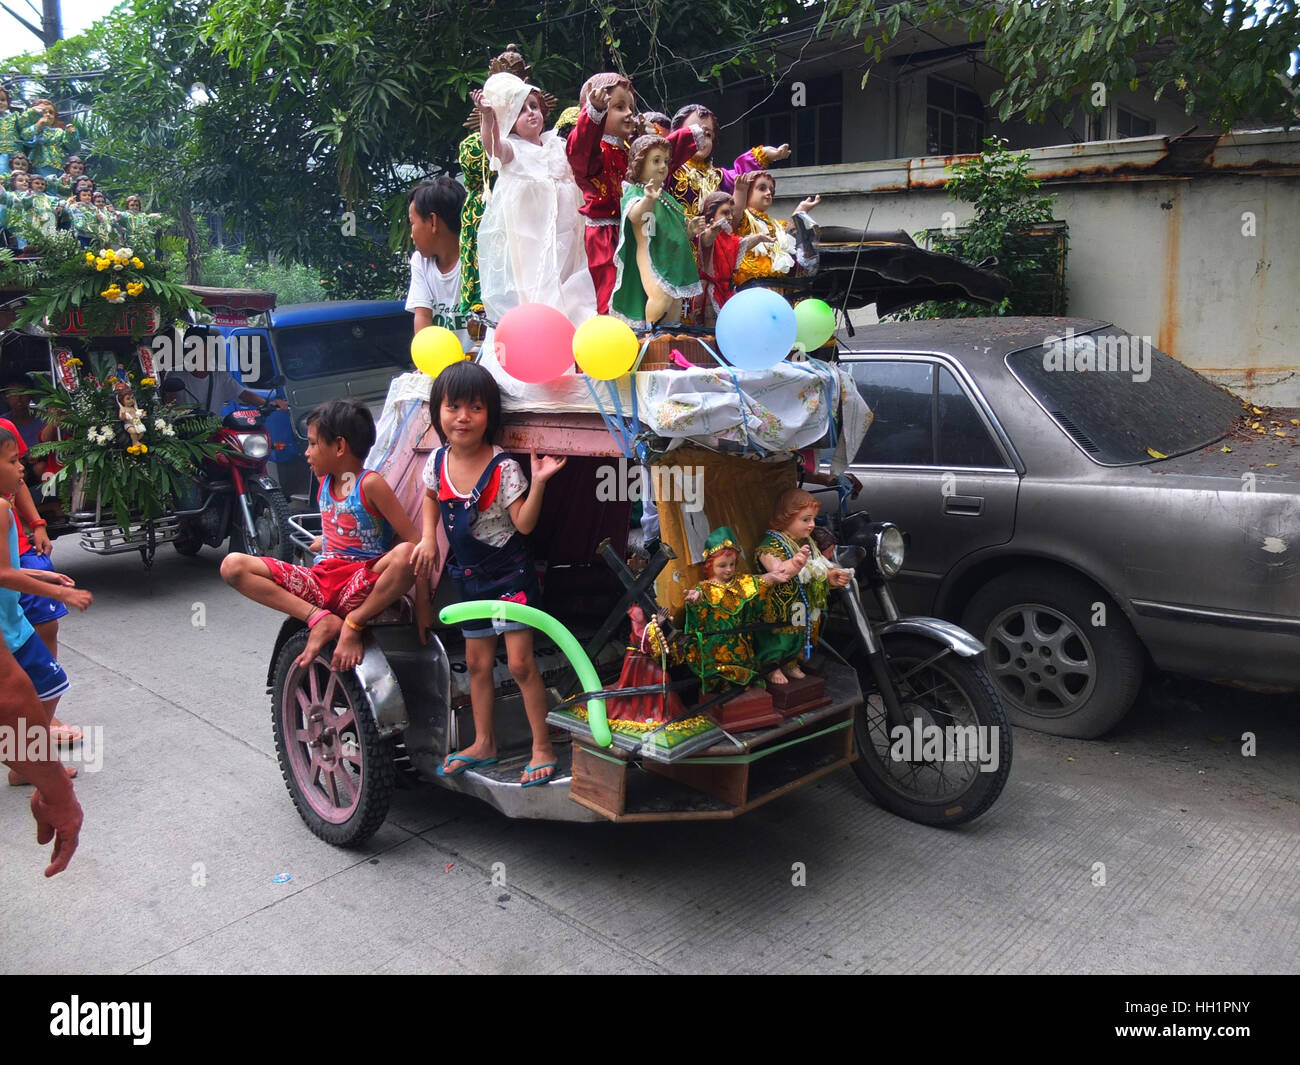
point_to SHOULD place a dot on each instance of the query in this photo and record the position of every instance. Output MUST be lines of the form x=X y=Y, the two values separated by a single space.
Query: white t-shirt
x=437 y=291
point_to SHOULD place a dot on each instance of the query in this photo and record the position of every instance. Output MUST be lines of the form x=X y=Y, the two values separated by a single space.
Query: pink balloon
x=534 y=343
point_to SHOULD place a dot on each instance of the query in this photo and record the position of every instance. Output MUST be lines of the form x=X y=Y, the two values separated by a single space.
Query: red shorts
x=337 y=584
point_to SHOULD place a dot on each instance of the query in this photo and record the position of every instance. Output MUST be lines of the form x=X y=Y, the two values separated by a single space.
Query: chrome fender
x=945 y=632
x=383 y=692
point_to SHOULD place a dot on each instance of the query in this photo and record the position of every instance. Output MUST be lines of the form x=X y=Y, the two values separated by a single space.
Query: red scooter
x=234 y=497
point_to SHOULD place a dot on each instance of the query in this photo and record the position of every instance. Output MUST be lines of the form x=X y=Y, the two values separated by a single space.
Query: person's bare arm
x=425 y=556
x=32 y=520
x=54 y=806
x=379 y=495
x=24 y=582
x=423 y=318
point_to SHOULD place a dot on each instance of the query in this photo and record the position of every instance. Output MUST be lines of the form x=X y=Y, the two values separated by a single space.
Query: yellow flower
x=74 y=361
x=148 y=382
x=90 y=257
x=138 y=449
x=137 y=264
x=134 y=288
x=102 y=264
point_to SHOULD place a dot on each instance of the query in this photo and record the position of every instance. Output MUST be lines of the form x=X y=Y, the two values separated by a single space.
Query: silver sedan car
x=1085 y=505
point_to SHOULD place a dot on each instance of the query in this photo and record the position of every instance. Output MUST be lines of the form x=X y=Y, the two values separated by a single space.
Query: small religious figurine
x=756 y=190
x=18 y=164
x=11 y=205
x=42 y=209
x=531 y=242
x=10 y=138
x=74 y=168
x=478 y=178
x=695 y=179
x=106 y=221
x=721 y=607
x=84 y=218
x=136 y=227
x=597 y=149
x=130 y=415
x=643 y=665
x=48 y=138
x=719 y=251
x=654 y=262
x=791 y=605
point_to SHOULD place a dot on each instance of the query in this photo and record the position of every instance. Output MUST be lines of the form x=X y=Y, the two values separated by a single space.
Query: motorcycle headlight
x=254 y=445
x=889 y=550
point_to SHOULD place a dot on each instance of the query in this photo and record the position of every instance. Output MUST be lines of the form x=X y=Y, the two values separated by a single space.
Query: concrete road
x=189 y=827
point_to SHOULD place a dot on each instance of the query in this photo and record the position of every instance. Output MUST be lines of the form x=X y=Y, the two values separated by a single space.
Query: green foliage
x=135 y=483
x=102 y=289
x=1228 y=58
x=291 y=282
x=1007 y=206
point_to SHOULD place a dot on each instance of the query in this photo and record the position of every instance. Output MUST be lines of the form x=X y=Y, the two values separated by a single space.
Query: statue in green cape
x=655 y=259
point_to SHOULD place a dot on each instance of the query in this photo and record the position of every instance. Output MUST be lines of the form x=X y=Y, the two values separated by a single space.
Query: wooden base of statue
x=749 y=710
x=798 y=696
x=658 y=353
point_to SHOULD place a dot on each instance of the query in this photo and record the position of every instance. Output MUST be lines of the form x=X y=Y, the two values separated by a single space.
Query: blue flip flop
x=541 y=780
x=467 y=762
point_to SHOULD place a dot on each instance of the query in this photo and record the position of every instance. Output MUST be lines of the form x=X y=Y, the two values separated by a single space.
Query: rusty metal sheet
x=568 y=434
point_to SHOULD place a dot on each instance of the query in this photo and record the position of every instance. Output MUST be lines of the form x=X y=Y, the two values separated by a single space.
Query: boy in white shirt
x=433 y=208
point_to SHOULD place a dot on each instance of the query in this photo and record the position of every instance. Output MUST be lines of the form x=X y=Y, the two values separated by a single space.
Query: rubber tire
x=969 y=676
x=377 y=769
x=187 y=543
x=1118 y=652
x=273 y=500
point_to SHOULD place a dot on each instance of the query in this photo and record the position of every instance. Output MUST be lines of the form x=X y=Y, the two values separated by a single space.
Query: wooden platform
x=730 y=778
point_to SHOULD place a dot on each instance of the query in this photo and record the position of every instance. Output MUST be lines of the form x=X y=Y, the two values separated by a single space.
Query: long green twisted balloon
x=557 y=631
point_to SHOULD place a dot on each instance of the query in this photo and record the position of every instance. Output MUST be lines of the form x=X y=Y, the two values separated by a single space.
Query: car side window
x=963 y=437
x=901 y=396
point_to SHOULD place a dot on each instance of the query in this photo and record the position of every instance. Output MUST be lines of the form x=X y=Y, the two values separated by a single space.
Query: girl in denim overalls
x=487 y=510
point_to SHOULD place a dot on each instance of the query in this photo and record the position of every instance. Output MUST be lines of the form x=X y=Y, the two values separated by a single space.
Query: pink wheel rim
x=323 y=740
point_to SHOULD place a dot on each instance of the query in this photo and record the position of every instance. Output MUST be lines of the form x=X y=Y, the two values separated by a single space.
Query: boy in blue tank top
x=360 y=571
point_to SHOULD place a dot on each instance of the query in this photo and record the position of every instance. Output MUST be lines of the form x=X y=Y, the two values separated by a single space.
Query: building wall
x=1203 y=263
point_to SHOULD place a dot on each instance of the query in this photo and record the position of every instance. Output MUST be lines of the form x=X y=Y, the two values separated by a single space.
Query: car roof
x=972 y=340
x=334 y=311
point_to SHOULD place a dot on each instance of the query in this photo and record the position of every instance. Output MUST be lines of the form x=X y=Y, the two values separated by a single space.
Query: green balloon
x=556 y=630
x=815 y=321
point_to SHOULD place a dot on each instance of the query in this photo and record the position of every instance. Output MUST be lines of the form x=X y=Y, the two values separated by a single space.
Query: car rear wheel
x=1063 y=656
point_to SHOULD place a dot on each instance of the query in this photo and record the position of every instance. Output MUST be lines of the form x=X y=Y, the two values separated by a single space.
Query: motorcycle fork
x=875 y=652
x=241 y=494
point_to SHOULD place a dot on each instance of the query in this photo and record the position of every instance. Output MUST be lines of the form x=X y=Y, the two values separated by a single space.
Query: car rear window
x=349 y=346
x=1119 y=398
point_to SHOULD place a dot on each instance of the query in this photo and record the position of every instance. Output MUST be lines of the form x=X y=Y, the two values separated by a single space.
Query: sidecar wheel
x=338 y=769
x=936 y=687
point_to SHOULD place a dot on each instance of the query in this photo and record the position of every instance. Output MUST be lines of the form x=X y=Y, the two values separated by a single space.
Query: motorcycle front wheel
x=947 y=761
x=270 y=511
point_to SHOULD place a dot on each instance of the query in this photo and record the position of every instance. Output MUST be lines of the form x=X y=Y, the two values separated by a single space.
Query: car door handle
x=969 y=505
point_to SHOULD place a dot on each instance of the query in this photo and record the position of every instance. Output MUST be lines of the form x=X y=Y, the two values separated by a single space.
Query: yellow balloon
x=605 y=347
x=434 y=348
